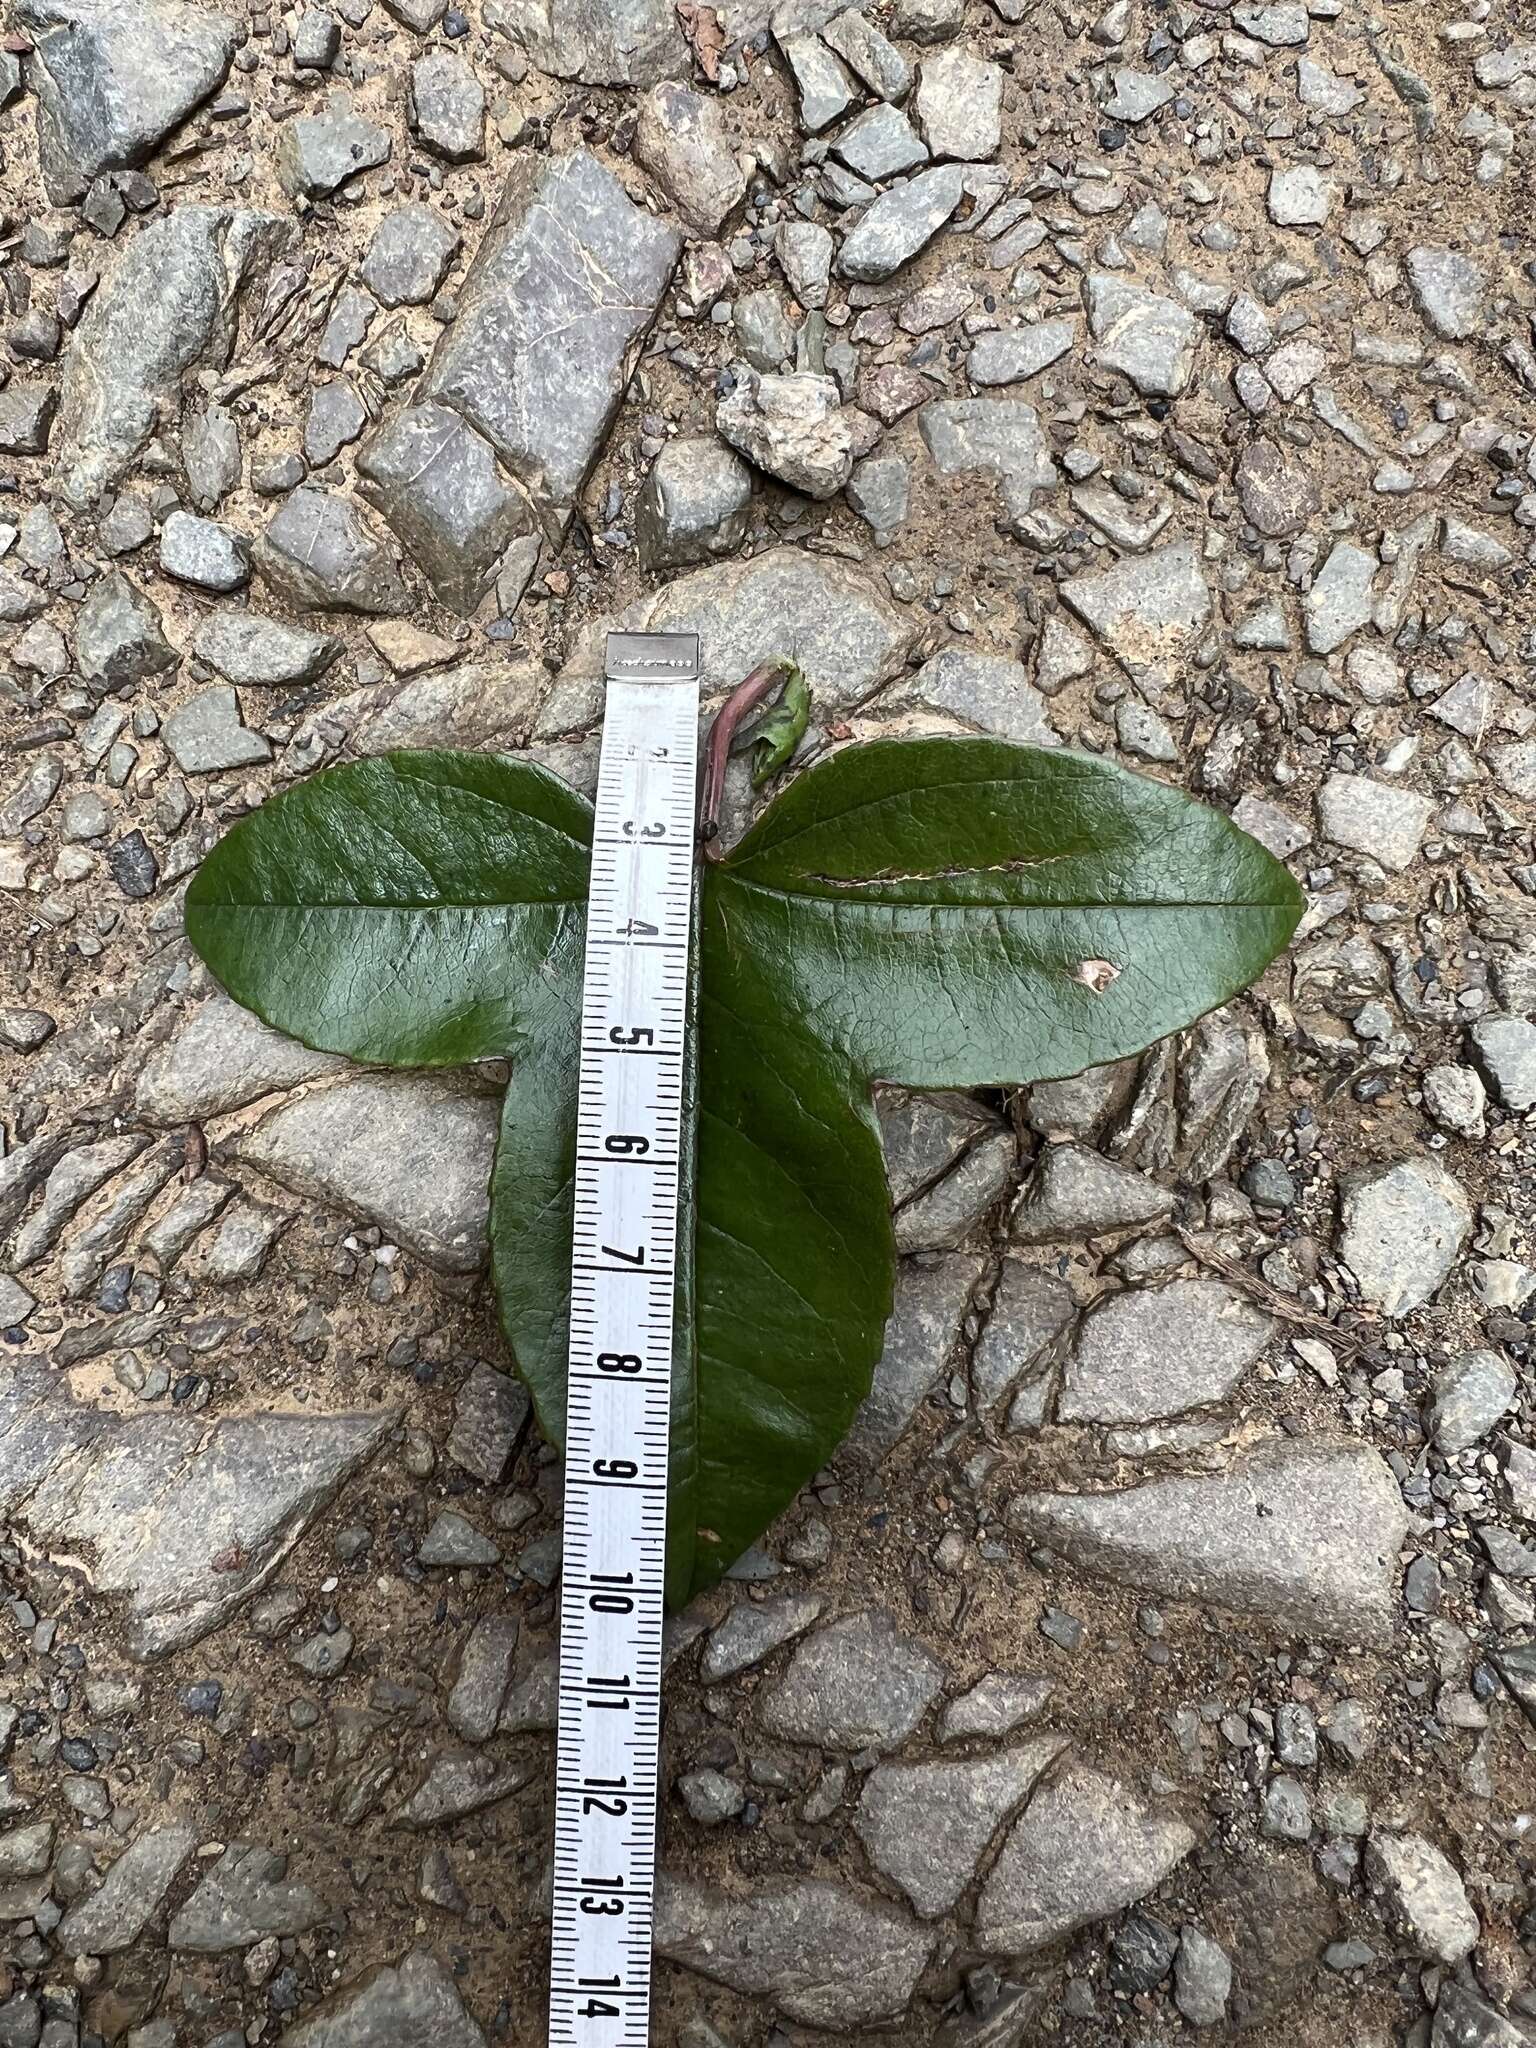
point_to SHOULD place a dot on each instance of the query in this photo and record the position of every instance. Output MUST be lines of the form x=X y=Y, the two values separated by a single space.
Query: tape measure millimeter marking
x=624 y=1263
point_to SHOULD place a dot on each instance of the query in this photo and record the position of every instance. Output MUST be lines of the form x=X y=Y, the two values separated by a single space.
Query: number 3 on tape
x=634 y=1021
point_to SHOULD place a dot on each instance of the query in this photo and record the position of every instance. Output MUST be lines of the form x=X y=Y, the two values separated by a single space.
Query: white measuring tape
x=634 y=1022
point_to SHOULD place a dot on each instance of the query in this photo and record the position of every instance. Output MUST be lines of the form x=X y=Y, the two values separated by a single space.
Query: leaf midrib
x=990 y=904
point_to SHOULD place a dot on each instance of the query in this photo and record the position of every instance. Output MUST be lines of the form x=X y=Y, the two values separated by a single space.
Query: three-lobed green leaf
x=941 y=913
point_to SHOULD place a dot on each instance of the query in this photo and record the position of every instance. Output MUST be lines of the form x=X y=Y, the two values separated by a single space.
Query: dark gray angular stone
x=489 y=1417
x=113 y=81
x=931 y=1299
x=1304 y=1536
x=857 y=1684
x=926 y=1825
x=245 y=1485
x=131 y=1894
x=316 y=153
x=552 y=314
x=601 y=42
x=681 y=140
x=693 y=505
x=204 y=553
x=171 y=305
x=826 y=1956
x=1160 y=1351
x=207 y=734
x=410 y=2004
x=440 y=488
x=26 y=418
x=247 y=1896
x=901 y=221
x=337 y=416
x=318 y=551
x=246 y=648
x=445 y=104
x=409 y=255
x=118 y=638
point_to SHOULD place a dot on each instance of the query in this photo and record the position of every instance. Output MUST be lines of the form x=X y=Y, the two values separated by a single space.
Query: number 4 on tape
x=634 y=1021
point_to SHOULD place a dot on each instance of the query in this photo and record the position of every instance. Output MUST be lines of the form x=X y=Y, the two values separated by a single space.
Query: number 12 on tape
x=634 y=1024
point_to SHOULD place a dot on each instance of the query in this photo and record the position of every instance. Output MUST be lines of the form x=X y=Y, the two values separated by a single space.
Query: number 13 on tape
x=630 y=1134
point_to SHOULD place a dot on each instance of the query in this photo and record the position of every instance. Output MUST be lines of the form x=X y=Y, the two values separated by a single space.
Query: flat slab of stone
x=222 y=1058
x=246 y=648
x=407 y=1152
x=930 y=1303
x=601 y=42
x=925 y=1825
x=1147 y=338
x=410 y=2004
x=1404 y=1225
x=826 y=615
x=551 y=316
x=1084 y=1848
x=1303 y=1536
x=903 y=220
x=858 y=1684
x=1075 y=1192
x=154 y=1499
x=245 y=1897
x=1147 y=608
x=1160 y=1351
x=130 y=1895
x=826 y=1956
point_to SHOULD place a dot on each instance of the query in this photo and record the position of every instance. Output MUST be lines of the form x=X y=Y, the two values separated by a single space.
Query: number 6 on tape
x=634 y=1024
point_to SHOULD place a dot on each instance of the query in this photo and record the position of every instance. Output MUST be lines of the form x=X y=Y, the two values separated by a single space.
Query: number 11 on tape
x=630 y=1137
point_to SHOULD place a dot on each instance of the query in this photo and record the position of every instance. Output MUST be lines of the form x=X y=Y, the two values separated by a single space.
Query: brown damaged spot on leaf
x=1096 y=975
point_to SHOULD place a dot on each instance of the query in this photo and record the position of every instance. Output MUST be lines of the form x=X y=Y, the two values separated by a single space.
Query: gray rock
x=932 y=1296
x=997 y=1704
x=1149 y=339
x=438 y=485
x=118 y=635
x=959 y=104
x=319 y=552
x=316 y=39
x=409 y=255
x=1000 y=437
x=458 y=1783
x=793 y=427
x=1075 y=1193
x=207 y=734
x=26 y=1852
x=825 y=1956
x=551 y=317
x=452 y=1541
x=680 y=138
x=1457 y=1100
x=337 y=416
x=70 y=1184
x=805 y=251
x=1375 y=818
x=956 y=1207
x=1279 y=494
x=1160 y=1351
x=1462 y=2020
x=1340 y=601
x=1012 y=354
x=1403 y=1226
x=1423 y=1895
x=880 y=143
x=204 y=553
x=710 y=1796
x=409 y=2004
x=26 y=418
x=879 y=490
x=245 y=1897
x=1449 y=290
x=130 y=1895
x=246 y=648
x=1287 y=1811
x=1300 y=196
x=693 y=506
x=1332 y=1522
x=1202 y=1978
x=248 y=1486
x=986 y=691
x=764 y=333
x=1031 y=1311
x=1137 y=96
x=601 y=42
x=223 y=1058
x=483 y=1678
x=420 y=15
x=111 y=84
x=489 y=1417
x=824 y=614
x=1147 y=608
x=857 y=1684
x=210 y=455
x=825 y=87
x=171 y=305
x=445 y=105
x=1471 y=1394
x=900 y=222
x=1084 y=1847
x=925 y=1826
x=407 y=1152
x=753 y=1630
x=1504 y=1049
x=316 y=153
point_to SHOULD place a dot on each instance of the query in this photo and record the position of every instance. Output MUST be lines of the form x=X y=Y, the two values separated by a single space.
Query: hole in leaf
x=1096 y=975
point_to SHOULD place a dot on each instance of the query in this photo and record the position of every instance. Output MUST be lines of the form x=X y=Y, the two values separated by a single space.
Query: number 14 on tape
x=634 y=1023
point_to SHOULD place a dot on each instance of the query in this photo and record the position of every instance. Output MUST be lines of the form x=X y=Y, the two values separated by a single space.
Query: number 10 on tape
x=630 y=1137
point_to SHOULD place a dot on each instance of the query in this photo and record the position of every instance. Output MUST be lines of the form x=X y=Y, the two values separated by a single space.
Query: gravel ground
x=1157 y=1658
